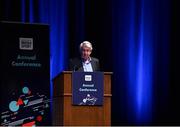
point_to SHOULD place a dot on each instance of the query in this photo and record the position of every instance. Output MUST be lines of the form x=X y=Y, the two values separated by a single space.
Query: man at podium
x=85 y=63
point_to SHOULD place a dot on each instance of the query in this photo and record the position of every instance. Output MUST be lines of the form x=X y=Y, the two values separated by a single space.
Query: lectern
x=66 y=114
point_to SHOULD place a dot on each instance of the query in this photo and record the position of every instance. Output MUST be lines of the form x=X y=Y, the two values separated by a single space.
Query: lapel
x=80 y=65
x=93 y=65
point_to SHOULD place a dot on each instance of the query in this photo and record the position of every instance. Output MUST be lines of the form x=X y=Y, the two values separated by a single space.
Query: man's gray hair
x=85 y=44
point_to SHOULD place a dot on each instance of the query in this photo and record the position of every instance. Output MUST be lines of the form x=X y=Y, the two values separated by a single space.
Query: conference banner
x=87 y=88
x=25 y=79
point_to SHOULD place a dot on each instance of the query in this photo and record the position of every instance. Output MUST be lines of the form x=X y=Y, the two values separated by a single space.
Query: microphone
x=75 y=68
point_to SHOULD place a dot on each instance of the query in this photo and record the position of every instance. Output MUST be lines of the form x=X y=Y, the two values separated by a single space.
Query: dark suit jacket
x=75 y=64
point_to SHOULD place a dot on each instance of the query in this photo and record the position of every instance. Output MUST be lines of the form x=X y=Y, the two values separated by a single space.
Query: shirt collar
x=87 y=61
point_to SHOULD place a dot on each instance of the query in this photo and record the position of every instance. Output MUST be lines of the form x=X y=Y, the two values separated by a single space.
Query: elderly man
x=85 y=63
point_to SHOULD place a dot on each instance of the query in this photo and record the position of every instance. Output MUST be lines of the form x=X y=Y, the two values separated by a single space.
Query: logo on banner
x=26 y=43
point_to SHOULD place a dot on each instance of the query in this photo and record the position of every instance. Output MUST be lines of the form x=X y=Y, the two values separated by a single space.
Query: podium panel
x=87 y=88
x=66 y=114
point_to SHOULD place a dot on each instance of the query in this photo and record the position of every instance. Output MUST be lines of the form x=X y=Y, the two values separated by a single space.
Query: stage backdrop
x=135 y=39
x=25 y=80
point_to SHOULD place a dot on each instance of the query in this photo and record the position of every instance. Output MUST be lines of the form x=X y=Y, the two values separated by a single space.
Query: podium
x=66 y=114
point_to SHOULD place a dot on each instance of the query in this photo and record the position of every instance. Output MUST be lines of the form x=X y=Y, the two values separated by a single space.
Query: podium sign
x=87 y=88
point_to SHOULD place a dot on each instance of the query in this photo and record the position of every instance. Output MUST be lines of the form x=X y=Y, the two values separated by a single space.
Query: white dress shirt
x=87 y=66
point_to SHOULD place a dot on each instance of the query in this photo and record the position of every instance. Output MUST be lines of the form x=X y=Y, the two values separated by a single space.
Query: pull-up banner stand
x=25 y=79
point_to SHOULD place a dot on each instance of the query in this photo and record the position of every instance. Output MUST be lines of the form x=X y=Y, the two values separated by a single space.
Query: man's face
x=85 y=52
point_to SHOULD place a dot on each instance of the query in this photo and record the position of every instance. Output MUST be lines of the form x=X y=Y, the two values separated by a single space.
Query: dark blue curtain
x=141 y=31
x=54 y=13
